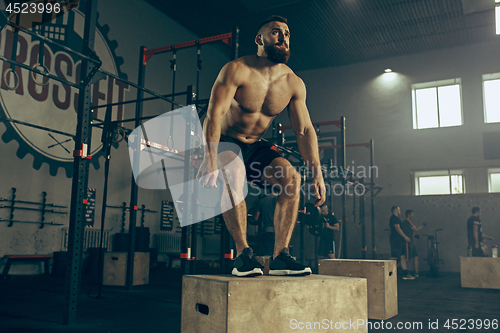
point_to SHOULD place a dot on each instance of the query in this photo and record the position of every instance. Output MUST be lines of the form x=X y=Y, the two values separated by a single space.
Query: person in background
x=398 y=241
x=327 y=235
x=267 y=206
x=475 y=234
x=408 y=228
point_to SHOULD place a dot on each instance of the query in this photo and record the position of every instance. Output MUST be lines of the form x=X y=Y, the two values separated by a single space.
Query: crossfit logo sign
x=164 y=153
x=37 y=100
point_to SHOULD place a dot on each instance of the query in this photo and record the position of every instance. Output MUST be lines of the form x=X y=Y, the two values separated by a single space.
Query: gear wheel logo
x=53 y=104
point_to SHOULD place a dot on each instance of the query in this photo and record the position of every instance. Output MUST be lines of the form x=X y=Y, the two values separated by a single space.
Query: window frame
x=492 y=171
x=488 y=77
x=436 y=85
x=438 y=173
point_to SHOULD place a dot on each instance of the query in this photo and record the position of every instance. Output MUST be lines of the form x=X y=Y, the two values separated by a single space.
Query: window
x=439 y=182
x=497 y=17
x=437 y=104
x=491 y=97
x=494 y=180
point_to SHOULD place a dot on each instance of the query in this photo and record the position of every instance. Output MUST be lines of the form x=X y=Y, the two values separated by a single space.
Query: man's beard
x=277 y=54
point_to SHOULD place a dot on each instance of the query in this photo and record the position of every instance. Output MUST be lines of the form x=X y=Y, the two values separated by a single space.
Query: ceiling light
x=388 y=70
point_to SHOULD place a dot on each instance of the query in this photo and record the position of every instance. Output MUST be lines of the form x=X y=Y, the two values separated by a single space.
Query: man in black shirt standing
x=408 y=228
x=327 y=235
x=475 y=233
x=398 y=241
x=267 y=206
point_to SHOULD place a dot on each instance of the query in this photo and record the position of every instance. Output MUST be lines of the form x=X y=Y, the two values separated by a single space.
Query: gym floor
x=35 y=304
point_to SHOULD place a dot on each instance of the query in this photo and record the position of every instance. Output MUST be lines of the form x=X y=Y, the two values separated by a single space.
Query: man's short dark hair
x=393 y=208
x=475 y=210
x=274 y=18
x=408 y=212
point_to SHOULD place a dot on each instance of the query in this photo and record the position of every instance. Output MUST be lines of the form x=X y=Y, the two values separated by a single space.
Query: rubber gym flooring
x=35 y=304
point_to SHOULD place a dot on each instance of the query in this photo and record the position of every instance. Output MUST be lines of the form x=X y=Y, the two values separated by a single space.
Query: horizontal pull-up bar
x=137 y=100
x=151 y=52
x=364 y=144
x=116 y=77
x=33 y=69
x=333 y=122
x=72 y=84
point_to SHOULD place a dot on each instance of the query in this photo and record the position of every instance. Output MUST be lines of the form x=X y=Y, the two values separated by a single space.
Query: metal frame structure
x=80 y=171
x=188 y=246
x=90 y=67
x=373 y=188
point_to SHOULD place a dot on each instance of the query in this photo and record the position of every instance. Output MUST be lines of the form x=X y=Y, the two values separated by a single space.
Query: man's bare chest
x=269 y=98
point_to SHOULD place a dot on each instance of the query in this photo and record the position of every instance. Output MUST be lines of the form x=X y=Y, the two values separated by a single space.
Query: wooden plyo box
x=480 y=272
x=115 y=268
x=382 y=282
x=273 y=304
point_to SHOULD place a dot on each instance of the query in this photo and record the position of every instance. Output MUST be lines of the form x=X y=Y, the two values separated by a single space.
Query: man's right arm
x=223 y=92
x=476 y=235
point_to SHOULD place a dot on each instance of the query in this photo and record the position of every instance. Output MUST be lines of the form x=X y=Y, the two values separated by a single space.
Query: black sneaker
x=284 y=264
x=408 y=277
x=246 y=264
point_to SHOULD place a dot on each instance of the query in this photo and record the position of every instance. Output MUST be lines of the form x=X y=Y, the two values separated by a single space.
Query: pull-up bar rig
x=108 y=125
x=90 y=67
x=145 y=55
x=373 y=188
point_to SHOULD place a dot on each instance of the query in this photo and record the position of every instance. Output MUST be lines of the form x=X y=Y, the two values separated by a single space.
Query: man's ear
x=258 y=40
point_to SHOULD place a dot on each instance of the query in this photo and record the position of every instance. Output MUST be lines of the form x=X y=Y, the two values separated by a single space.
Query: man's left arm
x=307 y=141
x=414 y=228
x=335 y=226
x=487 y=237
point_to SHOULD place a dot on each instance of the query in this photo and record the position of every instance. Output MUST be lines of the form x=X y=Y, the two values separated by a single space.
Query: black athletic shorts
x=397 y=248
x=409 y=251
x=256 y=156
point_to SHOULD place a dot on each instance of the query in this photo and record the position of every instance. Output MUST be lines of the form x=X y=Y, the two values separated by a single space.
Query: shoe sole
x=408 y=278
x=303 y=272
x=253 y=272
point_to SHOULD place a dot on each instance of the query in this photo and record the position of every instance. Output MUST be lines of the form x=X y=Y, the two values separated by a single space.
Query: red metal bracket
x=146 y=57
x=229 y=255
x=82 y=152
x=187 y=255
x=364 y=144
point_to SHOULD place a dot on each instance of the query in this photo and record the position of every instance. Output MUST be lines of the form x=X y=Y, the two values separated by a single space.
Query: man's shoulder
x=291 y=76
x=332 y=219
x=237 y=65
x=473 y=219
x=407 y=224
x=395 y=219
x=295 y=83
